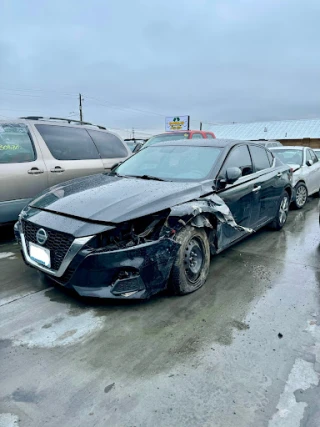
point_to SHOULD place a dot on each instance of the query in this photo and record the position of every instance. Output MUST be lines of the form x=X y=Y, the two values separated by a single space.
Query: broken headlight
x=132 y=233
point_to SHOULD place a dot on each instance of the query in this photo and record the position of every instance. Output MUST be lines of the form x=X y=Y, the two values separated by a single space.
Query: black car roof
x=204 y=142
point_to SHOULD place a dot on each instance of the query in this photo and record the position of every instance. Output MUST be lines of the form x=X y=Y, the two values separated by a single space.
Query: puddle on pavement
x=167 y=330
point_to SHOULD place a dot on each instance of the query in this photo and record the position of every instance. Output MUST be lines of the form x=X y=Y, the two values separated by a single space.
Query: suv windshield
x=289 y=155
x=167 y=137
x=171 y=163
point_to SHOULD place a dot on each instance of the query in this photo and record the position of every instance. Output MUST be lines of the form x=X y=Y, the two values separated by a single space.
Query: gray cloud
x=232 y=60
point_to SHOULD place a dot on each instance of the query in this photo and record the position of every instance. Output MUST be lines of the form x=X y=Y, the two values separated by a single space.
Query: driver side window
x=238 y=157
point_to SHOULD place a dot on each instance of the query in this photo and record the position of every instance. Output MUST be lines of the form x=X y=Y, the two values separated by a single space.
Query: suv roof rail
x=63 y=119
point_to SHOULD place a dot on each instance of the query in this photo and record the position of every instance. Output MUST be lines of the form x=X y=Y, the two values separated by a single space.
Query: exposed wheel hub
x=193 y=259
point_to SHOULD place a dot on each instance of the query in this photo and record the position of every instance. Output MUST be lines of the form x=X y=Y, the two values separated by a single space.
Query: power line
x=97 y=101
x=39 y=90
x=109 y=105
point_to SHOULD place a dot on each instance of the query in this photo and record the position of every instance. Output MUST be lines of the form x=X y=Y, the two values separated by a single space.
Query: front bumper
x=136 y=272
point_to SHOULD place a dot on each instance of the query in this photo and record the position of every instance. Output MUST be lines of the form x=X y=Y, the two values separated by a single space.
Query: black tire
x=191 y=267
x=282 y=212
x=301 y=196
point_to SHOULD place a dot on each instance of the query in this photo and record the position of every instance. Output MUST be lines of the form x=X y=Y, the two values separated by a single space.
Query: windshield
x=166 y=137
x=289 y=156
x=171 y=163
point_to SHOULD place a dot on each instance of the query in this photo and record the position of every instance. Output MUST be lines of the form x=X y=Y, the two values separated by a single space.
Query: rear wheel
x=191 y=267
x=301 y=196
x=282 y=213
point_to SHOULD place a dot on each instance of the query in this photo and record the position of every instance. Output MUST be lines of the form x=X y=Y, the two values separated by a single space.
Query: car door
x=313 y=171
x=23 y=173
x=112 y=150
x=68 y=152
x=238 y=196
x=268 y=185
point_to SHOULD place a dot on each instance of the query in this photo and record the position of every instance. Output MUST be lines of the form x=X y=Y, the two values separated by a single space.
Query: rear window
x=68 y=143
x=16 y=144
x=109 y=145
x=166 y=137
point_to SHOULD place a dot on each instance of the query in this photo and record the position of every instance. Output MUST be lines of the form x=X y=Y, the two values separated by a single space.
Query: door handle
x=279 y=174
x=57 y=169
x=256 y=189
x=35 y=171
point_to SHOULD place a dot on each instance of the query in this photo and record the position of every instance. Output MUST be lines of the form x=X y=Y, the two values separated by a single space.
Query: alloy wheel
x=283 y=210
x=301 y=196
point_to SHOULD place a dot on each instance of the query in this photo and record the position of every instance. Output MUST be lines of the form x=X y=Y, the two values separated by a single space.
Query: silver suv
x=37 y=153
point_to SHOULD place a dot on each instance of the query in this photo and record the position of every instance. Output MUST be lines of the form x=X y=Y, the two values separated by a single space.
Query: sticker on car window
x=11 y=147
x=186 y=135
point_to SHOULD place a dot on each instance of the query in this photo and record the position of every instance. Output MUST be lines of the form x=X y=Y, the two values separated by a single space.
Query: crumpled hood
x=115 y=199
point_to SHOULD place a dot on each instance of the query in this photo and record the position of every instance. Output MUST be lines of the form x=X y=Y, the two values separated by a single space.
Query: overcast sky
x=219 y=61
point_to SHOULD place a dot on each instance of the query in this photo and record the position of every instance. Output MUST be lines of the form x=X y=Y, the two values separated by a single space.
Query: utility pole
x=200 y=125
x=80 y=107
x=132 y=133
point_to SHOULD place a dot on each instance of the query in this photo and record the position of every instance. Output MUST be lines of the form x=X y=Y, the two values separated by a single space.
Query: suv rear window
x=68 y=143
x=15 y=144
x=109 y=145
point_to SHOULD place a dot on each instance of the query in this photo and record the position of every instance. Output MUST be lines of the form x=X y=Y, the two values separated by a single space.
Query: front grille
x=58 y=243
x=64 y=279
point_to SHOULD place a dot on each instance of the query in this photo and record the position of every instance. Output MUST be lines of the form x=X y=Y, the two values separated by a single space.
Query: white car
x=306 y=171
x=317 y=151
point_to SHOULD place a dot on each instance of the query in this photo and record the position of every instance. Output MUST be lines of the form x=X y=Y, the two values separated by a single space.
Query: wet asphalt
x=242 y=351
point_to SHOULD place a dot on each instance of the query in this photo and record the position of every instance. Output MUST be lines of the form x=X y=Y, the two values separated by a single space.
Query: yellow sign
x=177 y=123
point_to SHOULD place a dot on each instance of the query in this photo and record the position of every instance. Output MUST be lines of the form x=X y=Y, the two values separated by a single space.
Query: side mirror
x=232 y=174
x=309 y=162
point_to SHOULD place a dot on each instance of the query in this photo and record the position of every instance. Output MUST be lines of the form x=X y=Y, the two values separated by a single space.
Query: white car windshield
x=289 y=155
x=171 y=163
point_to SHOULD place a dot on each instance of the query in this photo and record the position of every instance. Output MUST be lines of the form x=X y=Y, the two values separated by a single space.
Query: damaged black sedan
x=153 y=222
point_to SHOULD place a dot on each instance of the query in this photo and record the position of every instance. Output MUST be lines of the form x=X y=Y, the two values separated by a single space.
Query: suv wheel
x=191 y=267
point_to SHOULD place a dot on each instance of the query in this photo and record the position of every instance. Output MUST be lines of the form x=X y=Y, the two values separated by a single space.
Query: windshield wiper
x=155 y=178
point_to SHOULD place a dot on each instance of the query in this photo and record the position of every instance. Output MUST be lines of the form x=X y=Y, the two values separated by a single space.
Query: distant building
x=289 y=132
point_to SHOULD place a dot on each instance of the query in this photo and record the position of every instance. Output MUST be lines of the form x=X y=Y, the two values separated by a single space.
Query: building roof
x=287 y=129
